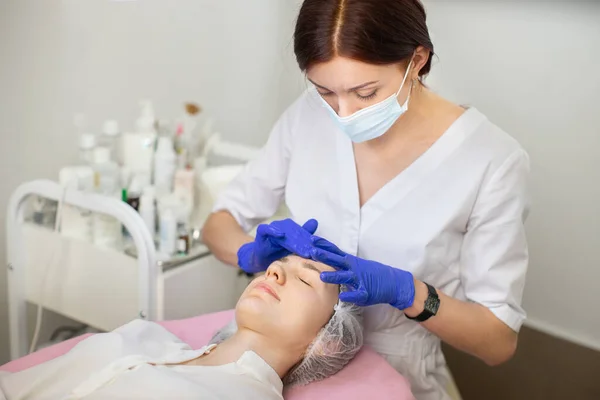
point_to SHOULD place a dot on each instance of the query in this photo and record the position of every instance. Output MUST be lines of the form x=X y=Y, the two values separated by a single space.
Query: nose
x=344 y=108
x=276 y=273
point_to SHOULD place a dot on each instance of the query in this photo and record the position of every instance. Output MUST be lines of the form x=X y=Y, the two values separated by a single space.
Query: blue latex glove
x=371 y=282
x=274 y=241
x=296 y=239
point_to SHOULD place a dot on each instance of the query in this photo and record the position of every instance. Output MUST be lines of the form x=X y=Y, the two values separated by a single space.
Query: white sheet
x=117 y=365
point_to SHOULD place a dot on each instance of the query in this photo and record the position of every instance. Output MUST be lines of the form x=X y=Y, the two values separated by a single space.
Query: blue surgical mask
x=373 y=121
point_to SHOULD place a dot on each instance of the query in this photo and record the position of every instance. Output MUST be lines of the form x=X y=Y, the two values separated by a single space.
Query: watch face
x=432 y=304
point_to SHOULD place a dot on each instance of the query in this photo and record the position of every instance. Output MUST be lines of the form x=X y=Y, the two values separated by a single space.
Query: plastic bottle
x=87 y=144
x=138 y=146
x=146 y=121
x=105 y=169
x=111 y=137
x=183 y=239
x=183 y=186
x=108 y=230
x=134 y=192
x=147 y=210
x=168 y=232
x=176 y=205
x=165 y=161
x=77 y=222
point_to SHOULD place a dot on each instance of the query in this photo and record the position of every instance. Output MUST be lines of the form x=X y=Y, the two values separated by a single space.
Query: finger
x=311 y=225
x=283 y=223
x=339 y=277
x=327 y=245
x=358 y=297
x=302 y=251
x=268 y=230
x=334 y=260
x=275 y=255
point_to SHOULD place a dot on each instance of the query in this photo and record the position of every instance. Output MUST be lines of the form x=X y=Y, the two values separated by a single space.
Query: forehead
x=295 y=261
x=344 y=73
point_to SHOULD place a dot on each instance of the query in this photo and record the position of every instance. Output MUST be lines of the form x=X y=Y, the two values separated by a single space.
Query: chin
x=253 y=308
x=260 y=315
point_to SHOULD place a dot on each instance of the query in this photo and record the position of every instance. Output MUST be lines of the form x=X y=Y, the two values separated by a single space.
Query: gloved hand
x=372 y=282
x=274 y=241
x=296 y=239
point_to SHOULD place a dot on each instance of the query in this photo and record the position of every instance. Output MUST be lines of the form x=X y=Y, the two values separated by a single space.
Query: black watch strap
x=432 y=304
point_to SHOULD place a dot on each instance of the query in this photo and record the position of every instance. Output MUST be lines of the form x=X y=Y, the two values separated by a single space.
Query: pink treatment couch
x=367 y=376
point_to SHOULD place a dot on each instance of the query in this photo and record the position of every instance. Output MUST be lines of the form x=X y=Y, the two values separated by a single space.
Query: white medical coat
x=131 y=363
x=454 y=218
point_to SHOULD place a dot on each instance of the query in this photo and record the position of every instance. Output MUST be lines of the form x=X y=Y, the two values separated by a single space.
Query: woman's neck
x=279 y=358
x=427 y=118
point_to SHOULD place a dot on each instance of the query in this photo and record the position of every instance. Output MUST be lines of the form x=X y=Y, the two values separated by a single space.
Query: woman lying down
x=290 y=329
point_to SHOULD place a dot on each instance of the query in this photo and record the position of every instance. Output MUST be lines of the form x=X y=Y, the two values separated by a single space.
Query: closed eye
x=303 y=281
x=326 y=94
x=368 y=96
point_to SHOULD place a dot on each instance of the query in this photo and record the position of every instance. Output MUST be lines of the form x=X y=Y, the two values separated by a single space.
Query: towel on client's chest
x=130 y=362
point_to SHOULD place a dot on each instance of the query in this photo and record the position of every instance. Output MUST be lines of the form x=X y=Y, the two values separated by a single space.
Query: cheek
x=305 y=319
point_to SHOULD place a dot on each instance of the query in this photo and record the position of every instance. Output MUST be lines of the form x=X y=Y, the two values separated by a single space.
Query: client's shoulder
x=137 y=337
x=143 y=330
x=138 y=325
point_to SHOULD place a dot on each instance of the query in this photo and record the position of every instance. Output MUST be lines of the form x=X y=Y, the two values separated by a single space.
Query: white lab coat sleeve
x=257 y=192
x=494 y=255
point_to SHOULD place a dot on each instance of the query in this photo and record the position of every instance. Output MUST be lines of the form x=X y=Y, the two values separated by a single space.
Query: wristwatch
x=432 y=304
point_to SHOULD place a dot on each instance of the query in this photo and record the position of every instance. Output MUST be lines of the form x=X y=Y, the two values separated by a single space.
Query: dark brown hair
x=373 y=31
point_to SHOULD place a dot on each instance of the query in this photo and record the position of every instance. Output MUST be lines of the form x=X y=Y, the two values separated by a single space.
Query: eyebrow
x=310 y=266
x=361 y=86
x=305 y=264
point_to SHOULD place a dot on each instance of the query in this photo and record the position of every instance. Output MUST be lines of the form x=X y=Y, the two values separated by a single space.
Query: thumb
x=327 y=245
x=358 y=297
x=263 y=231
x=339 y=277
x=311 y=225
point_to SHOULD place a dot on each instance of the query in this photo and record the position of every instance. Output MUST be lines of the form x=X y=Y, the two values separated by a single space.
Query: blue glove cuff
x=405 y=292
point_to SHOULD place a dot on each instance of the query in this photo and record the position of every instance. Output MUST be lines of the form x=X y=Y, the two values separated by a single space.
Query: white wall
x=59 y=57
x=534 y=69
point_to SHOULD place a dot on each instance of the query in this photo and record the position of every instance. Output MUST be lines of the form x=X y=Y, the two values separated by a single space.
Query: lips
x=266 y=288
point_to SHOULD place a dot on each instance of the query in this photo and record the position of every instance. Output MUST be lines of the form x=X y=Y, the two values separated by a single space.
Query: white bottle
x=165 y=161
x=77 y=222
x=111 y=138
x=183 y=186
x=168 y=232
x=138 y=147
x=108 y=232
x=87 y=144
x=147 y=211
x=105 y=169
x=147 y=120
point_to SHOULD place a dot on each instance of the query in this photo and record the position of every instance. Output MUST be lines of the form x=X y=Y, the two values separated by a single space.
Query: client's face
x=289 y=303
